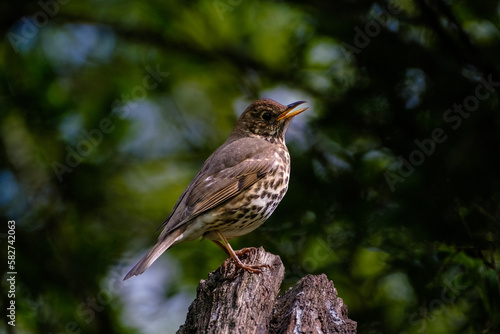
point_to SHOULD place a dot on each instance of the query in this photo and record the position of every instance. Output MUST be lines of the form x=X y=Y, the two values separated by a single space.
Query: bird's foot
x=244 y=251
x=255 y=268
x=222 y=243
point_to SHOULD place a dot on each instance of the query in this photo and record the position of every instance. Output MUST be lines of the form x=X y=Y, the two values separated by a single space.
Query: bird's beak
x=288 y=114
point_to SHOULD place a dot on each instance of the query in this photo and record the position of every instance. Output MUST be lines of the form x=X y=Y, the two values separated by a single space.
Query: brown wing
x=225 y=174
x=229 y=186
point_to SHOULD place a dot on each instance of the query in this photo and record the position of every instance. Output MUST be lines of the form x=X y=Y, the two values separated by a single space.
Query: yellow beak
x=288 y=114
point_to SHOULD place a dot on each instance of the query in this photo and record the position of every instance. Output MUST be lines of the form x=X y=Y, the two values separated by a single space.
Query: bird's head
x=266 y=118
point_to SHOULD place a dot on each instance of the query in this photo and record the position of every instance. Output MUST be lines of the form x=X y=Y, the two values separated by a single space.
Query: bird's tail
x=158 y=249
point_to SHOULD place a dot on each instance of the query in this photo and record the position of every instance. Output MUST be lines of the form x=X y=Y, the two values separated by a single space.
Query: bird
x=238 y=187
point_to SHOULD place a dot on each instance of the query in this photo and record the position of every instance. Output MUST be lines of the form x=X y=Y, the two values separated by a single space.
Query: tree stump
x=311 y=306
x=232 y=300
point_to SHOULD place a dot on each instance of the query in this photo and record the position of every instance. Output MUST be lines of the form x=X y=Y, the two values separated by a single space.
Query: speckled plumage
x=238 y=187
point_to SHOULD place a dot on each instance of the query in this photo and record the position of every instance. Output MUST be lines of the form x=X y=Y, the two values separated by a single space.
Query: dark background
x=108 y=109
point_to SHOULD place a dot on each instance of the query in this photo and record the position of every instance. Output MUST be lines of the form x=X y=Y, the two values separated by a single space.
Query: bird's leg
x=221 y=245
x=224 y=244
x=237 y=252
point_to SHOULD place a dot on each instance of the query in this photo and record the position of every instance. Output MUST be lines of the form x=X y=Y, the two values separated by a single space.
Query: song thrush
x=238 y=187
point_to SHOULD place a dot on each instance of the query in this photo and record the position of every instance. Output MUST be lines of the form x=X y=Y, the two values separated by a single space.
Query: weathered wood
x=311 y=306
x=232 y=300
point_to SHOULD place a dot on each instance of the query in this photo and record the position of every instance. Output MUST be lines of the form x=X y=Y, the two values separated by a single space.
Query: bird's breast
x=250 y=209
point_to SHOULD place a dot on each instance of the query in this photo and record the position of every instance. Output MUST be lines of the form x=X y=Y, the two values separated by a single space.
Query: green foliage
x=108 y=109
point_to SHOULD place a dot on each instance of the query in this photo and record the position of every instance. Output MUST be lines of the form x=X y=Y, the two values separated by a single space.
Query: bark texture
x=232 y=300
x=311 y=306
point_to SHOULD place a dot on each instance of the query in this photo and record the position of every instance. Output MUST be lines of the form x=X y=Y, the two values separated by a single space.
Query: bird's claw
x=243 y=251
x=252 y=268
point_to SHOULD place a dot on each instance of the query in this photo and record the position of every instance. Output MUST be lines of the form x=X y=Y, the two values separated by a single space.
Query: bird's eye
x=266 y=116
